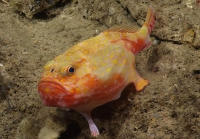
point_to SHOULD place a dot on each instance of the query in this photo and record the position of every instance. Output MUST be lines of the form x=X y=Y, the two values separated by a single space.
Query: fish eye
x=52 y=70
x=70 y=70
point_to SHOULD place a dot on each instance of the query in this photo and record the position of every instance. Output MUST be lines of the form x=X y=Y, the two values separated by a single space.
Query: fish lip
x=53 y=93
x=43 y=84
x=50 y=91
x=52 y=82
x=56 y=83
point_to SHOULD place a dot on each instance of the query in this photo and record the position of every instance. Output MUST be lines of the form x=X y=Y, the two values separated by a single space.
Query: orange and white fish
x=95 y=71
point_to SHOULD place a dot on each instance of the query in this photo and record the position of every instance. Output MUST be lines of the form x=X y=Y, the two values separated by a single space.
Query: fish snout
x=53 y=94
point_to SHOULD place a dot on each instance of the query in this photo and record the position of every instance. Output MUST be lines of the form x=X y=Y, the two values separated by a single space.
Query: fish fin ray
x=150 y=19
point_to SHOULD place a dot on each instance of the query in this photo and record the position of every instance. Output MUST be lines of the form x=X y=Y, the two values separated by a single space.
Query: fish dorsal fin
x=125 y=29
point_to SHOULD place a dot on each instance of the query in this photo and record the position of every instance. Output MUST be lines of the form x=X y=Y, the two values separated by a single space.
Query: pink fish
x=95 y=71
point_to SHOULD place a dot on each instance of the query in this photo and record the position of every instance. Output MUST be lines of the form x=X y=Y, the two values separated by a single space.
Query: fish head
x=65 y=80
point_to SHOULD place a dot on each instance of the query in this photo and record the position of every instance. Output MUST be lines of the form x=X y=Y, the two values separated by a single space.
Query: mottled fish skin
x=95 y=71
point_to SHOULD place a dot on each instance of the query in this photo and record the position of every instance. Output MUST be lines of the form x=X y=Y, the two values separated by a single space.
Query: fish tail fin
x=145 y=31
x=150 y=19
x=136 y=38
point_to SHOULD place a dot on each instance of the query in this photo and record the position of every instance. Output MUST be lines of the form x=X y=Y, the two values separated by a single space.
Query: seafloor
x=169 y=107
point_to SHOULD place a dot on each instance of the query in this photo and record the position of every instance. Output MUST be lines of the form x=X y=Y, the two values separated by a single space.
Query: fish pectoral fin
x=93 y=128
x=139 y=82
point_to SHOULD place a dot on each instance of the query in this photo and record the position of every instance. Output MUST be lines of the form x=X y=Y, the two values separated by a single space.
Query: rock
x=5 y=81
x=27 y=129
x=32 y=7
x=189 y=36
x=51 y=129
x=41 y=126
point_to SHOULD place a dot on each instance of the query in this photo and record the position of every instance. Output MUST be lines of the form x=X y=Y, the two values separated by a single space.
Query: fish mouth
x=53 y=93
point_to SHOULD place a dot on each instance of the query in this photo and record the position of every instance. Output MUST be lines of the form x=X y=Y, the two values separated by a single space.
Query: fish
x=95 y=71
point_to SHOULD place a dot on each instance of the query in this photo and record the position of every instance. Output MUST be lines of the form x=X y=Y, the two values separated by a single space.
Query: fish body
x=95 y=71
